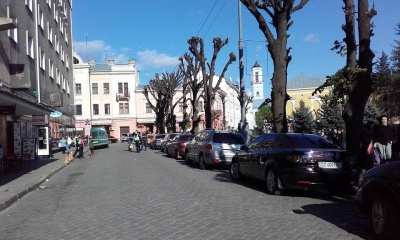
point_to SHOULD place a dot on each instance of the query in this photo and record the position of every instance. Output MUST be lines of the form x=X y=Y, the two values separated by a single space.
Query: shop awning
x=101 y=122
x=23 y=106
x=145 y=120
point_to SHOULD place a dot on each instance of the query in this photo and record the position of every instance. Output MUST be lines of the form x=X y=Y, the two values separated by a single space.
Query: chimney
x=110 y=62
x=132 y=62
x=92 y=62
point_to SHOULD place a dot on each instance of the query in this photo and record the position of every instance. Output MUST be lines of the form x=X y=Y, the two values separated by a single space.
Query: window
x=50 y=32
x=58 y=77
x=122 y=87
x=29 y=46
x=51 y=69
x=41 y=19
x=95 y=88
x=29 y=4
x=106 y=88
x=78 y=89
x=256 y=77
x=96 y=109
x=78 y=109
x=148 y=108
x=13 y=33
x=123 y=108
x=201 y=106
x=68 y=87
x=107 y=109
x=180 y=109
x=63 y=82
x=42 y=62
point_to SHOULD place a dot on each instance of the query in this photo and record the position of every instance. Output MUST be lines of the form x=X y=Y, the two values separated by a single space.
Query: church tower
x=257 y=83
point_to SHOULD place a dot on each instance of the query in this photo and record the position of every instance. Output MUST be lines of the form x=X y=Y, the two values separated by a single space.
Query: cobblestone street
x=119 y=194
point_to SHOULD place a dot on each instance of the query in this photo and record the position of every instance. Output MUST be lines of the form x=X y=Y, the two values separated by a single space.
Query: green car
x=99 y=137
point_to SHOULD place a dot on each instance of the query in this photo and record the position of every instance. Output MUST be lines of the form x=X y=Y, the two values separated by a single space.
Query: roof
x=303 y=81
x=256 y=65
x=100 y=67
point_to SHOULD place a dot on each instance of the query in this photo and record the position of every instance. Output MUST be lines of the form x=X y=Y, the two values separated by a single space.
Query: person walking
x=68 y=153
x=136 y=138
x=63 y=144
x=81 y=146
x=383 y=137
x=144 y=140
x=76 y=144
x=91 y=146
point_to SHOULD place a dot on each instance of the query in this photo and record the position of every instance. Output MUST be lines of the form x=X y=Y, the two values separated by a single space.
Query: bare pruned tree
x=196 y=47
x=192 y=86
x=173 y=81
x=280 y=12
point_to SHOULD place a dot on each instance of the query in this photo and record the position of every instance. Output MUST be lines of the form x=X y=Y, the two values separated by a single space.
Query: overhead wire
x=207 y=17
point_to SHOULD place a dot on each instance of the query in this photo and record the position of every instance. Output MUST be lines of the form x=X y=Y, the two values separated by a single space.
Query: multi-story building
x=35 y=72
x=105 y=96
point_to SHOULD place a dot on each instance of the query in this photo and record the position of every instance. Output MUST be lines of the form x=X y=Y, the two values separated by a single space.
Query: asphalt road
x=124 y=195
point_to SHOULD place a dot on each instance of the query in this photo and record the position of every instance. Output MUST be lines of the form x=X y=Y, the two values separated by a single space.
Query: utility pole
x=243 y=126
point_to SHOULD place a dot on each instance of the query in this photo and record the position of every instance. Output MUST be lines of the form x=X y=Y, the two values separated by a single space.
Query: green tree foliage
x=371 y=112
x=330 y=113
x=263 y=113
x=395 y=58
x=382 y=75
x=303 y=119
x=394 y=97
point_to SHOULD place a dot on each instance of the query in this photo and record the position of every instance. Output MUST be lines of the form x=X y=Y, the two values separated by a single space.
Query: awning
x=146 y=120
x=101 y=122
x=23 y=106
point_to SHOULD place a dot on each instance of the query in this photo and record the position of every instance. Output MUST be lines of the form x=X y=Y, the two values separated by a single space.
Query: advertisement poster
x=29 y=130
x=17 y=138
x=29 y=147
x=23 y=130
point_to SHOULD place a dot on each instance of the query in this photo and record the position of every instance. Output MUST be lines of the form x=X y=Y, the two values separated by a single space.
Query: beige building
x=300 y=89
x=105 y=96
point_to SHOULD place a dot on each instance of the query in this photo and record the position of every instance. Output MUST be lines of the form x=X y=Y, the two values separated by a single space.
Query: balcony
x=216 y=113
x=123 y=96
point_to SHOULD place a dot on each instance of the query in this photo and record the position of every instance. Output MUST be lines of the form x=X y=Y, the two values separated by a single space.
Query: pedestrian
x=76 y=144
x=81 y=146
x=367 y=157
x=63 y=144
x=144 y=140
x=383 y=137
x=91 y=146
x=136 y=138
x=396 y=141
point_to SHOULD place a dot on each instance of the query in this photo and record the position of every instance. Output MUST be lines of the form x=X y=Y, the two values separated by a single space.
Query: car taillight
x=208 y=147
x=181 y=146
x=301 y=158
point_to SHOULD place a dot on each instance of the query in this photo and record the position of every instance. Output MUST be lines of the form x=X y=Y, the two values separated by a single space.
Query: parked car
x=150 y=137
x=177 y=146
x=157 y=140
x=213 y=147
x=168 y=137
x=378 y=197
x=295 y=161
x=124 y=137
x=112 y=139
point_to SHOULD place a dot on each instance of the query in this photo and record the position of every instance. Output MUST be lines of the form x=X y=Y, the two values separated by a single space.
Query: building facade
x=36 y=72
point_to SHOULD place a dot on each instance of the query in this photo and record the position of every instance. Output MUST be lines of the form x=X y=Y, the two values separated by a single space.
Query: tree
x=263 y=114
x=173 y=81
x=371 y=112
x=395 y=58
x=196 y=47
x=192 y=85
x=395 y=87
x=381 y=77
x=156 y=89
x=330 y=113
x=280 y=12
x=355 y=79
x=303 y=119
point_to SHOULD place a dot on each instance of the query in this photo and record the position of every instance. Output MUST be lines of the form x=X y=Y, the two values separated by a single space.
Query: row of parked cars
x=294 y=161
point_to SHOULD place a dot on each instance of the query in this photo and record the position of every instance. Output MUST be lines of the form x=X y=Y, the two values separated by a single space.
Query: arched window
x=256 y=77
x=257 y=94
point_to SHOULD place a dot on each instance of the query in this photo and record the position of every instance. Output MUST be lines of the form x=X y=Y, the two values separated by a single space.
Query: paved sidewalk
x=16 y=184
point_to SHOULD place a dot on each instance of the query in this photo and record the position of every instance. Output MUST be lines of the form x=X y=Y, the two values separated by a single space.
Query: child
x=91 y=146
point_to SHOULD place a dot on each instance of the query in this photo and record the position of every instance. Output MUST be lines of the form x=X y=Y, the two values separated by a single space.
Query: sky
x=155 y=34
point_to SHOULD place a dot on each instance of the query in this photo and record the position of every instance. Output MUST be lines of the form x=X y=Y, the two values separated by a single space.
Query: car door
x=246 y=157
x=192 y=146
x=271 y=148
x=199 y=145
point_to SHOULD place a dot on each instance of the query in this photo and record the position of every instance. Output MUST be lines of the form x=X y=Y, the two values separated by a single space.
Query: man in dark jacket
x=383 y=137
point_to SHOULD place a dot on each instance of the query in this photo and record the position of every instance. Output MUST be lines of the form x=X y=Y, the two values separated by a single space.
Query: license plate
x=330 y=165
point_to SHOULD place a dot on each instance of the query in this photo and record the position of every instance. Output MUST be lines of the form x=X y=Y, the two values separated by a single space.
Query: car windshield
x=229 y=138
x=159 y=136
x=306 y=141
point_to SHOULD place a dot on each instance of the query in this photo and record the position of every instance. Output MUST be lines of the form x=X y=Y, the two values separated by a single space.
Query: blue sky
x=155 y=34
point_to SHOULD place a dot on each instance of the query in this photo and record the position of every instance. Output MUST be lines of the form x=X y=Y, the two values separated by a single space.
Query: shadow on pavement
x=25 y=169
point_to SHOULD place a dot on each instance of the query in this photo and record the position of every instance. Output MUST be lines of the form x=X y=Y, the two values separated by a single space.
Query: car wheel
x=271 y=179
x=187 y=159
x=235 y=171
x=168 y=154
x=176 y=154
x=383 y=217
x=202 y=164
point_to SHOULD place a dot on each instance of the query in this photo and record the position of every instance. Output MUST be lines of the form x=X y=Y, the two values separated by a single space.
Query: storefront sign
x=40 y=120
x=7 y=110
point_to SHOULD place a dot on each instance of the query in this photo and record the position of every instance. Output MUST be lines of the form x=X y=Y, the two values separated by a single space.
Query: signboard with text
x=40 y=120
